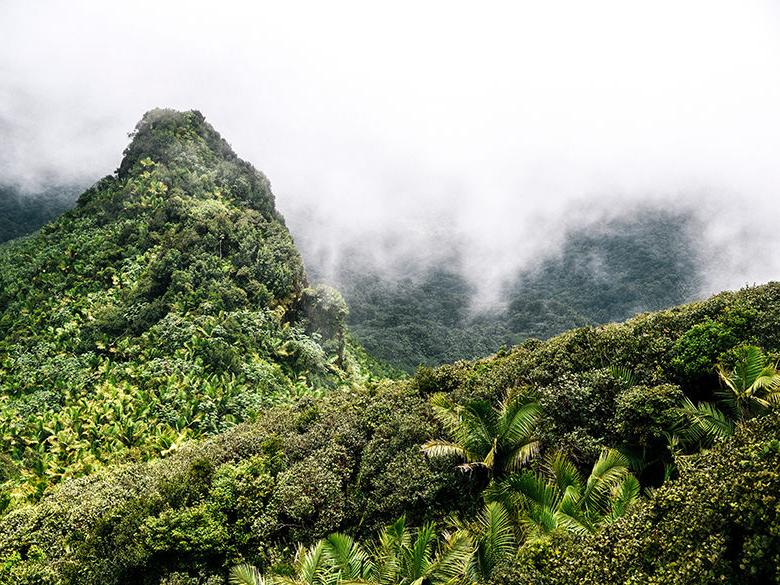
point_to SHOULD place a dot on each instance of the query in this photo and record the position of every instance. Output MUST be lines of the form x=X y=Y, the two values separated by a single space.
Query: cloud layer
x=412 y=123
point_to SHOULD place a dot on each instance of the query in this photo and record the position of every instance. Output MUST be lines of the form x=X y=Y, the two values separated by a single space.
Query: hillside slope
x=170 y=303
x=351 y=461
x=413 y=313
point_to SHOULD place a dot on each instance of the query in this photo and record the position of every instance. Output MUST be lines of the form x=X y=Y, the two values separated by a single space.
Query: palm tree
x=499 y=440
x=397 y=557
x=700 y=425
x=312 y=566
x=752 y=386
x=405 y=559
x=315 y=565
x=495 y=541
x=560 y=498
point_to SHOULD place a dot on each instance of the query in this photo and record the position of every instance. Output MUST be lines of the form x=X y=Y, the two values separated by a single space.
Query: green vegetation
x=601 y=274
x=498 y=440
x=350 y=461
x=559 y=497
x=751 y=387
x=170 y=304
x=180 y=407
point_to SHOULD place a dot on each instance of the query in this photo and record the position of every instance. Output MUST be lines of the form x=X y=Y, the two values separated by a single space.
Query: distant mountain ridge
x=23 y=211
x=604 y=273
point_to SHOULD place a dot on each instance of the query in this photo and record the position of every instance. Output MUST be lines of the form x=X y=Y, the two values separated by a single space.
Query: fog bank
x=408 y=126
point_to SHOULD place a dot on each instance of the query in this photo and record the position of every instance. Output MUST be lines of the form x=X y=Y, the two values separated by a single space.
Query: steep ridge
x=170 y=303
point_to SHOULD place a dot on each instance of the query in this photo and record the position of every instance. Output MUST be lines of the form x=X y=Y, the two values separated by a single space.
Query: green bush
x=717 y=523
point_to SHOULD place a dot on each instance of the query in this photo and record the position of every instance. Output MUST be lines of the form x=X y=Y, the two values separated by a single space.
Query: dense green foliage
x=494 y=440
x=351 y=461
x=718 y=523
x=170 y=303
x=622 y=267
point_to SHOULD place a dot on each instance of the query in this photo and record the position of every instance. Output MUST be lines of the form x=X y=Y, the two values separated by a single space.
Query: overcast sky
x=490 y=120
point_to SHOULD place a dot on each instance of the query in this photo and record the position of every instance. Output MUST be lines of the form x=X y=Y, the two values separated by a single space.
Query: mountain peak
x=195 y=158
x=161 y=133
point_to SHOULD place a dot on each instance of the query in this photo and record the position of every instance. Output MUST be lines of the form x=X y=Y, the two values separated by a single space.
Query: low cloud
x=414 y=128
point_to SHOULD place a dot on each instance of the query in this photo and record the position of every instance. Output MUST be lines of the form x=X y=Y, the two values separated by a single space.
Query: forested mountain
x=170 y=303
x=351 y=461
x=179 y=407
x=602 y=273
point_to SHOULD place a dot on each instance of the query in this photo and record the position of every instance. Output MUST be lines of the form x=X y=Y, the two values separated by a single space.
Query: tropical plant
x=750 y=387
x=312 y=566
x=247 y=575
x=495 y=541
x=403 y=557
x=397 y=557
x=498 y=440
x=559 y=498
x=702 y=424
x=624 y=375
x=753 y=385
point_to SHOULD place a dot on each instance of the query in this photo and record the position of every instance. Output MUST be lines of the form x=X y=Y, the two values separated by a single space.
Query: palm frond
x=773 y=398
x=453 y=558
x=624 y=496
x=610 y=469
x=703 y=423
x=445 y=412
x=518 y=421
x=442 y=448
x=748 y=367
x=347 y=557
x=522 y=455
x=527 y=489
x=768 y=380
x=312 y=564
x=387 y=552
x=246 y=574
x=538 y=522
x=563 y=472
x=624 y=375
x=570 y=514
x=495 y=541
x=478 y=427
x=418 y=556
